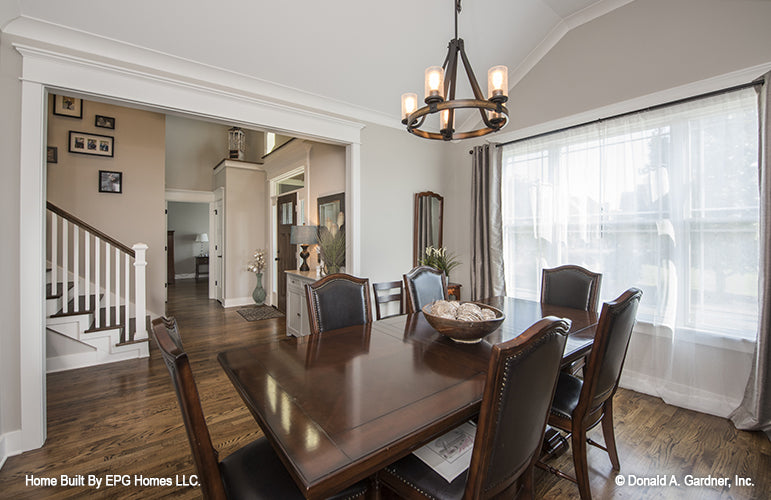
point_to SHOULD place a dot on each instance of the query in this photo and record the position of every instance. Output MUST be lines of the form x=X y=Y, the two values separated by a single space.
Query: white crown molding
x=243 y=165
x=109 y=52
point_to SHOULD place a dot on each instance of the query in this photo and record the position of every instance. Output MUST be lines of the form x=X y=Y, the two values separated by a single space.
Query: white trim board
x=134 y=58
x=9 y=445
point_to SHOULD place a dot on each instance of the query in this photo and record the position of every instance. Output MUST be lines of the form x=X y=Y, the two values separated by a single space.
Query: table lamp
x=202 y=238
x=303 y=236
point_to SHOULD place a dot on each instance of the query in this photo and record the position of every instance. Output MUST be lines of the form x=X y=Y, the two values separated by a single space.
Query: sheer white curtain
x=665 y=200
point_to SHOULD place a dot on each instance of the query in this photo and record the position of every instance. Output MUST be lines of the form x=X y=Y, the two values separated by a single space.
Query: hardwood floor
x=123 y=419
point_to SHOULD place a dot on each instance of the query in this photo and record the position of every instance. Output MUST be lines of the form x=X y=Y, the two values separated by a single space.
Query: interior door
x=286 y=253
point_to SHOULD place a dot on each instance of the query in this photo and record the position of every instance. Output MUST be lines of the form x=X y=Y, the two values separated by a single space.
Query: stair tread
x=132 y=324
x=82 y=308
x=59 y=290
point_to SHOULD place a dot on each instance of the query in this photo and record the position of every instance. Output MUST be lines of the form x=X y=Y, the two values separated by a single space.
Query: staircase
x=95 y=292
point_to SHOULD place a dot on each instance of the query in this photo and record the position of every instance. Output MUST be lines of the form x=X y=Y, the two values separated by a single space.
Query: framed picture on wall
x=110 y=182
x=68 y=106
x=331 y=210
x=104 y=121
x=91 y=144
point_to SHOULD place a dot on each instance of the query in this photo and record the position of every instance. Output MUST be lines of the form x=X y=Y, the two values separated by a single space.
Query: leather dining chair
x=579 y=405
x=424 y=285
x=336 y=301
x=571 y=286
x=521 y=376
x=387 y=293
x=254 y=471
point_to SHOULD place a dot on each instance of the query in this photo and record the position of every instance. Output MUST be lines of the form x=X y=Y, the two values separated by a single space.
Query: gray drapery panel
x=754 y=413
x=487 y=278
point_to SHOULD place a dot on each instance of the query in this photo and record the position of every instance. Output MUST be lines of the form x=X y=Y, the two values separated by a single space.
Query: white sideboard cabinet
x=296 y=305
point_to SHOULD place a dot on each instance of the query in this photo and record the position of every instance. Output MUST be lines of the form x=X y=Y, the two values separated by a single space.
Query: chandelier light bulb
x=444 y=119
x=434 y=84
x=498 y=83
x=409 y=104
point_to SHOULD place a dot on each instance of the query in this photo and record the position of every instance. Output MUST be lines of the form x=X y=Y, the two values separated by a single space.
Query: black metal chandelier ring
x=415 y=119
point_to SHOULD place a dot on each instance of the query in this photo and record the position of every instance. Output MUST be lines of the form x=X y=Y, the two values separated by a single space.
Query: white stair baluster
x=97 y=281
x=76 y=267
x=126 y=291
x=117 y=286
x=107 y=288
x=140 y=265
x=54 y=253
x=87 y=265
x=66 y=267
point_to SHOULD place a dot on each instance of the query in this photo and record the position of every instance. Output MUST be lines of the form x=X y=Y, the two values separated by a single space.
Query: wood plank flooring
x=123 y=419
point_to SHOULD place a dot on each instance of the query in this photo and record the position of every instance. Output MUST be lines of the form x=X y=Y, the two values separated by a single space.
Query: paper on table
x=450 y=454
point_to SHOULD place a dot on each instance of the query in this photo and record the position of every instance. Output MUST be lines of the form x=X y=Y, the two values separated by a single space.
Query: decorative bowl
x=464 y=331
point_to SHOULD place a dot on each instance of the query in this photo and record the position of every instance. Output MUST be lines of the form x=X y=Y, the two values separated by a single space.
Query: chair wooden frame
x=409 y=289
x=504 y=357
x=388 y=298
x=592 y=409
x=594 y=288
x=311 y=294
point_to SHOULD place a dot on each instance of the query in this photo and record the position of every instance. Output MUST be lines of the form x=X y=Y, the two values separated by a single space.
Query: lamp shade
x=202 y=238
x=303 y=235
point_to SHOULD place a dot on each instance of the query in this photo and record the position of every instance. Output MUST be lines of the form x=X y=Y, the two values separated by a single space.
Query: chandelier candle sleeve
x=409 y=105
x=497 y=82
x=434 y=84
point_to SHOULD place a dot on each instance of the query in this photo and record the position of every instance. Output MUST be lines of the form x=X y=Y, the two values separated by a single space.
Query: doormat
x=257 y=313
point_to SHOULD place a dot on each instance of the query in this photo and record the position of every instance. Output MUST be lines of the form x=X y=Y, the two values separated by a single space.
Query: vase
x=259 y=292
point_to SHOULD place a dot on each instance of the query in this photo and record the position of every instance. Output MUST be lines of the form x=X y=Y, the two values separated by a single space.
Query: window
x=665 y=200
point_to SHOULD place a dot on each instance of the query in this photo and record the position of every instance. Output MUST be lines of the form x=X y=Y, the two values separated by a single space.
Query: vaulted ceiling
x=360 y=54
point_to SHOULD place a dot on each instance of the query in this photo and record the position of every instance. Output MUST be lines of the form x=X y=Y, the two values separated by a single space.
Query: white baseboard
x=680 y=395
x=240 y=301
x=184 y=276
x=10 y=445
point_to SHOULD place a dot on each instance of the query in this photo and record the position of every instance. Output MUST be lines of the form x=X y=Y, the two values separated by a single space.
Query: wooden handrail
x=91 y=229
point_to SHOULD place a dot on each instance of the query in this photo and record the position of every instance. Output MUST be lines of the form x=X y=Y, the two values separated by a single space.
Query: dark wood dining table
x=339 y=406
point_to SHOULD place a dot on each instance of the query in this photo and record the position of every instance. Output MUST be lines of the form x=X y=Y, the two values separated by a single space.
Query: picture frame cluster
x=88 y=143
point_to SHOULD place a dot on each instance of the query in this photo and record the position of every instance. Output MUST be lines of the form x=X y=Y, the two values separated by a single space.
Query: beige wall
x=133 y=216
x=195 y=147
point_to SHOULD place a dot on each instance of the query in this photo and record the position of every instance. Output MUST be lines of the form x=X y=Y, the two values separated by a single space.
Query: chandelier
x=440 y=96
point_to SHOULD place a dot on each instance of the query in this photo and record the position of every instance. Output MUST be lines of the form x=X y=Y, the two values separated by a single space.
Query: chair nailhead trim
x=410 y=484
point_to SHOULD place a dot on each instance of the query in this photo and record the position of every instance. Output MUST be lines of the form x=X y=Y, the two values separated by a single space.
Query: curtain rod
x=743 y=86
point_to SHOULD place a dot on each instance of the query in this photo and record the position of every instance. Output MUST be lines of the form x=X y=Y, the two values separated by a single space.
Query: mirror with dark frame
x=429 y=208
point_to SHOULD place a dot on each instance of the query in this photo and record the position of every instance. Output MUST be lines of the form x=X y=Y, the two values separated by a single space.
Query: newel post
x=139 y=290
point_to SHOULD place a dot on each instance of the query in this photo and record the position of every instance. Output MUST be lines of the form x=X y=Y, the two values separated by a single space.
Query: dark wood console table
x=201 y=261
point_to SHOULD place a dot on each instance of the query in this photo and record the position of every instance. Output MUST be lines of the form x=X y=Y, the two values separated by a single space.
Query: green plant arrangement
x=441 y=259
x=331 y=249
